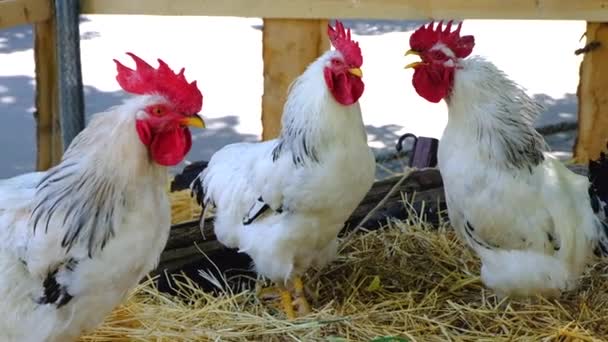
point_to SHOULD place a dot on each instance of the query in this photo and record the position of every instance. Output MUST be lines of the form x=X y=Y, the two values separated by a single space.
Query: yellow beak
x=356 y=71
x=413 y=65
x=194 y=121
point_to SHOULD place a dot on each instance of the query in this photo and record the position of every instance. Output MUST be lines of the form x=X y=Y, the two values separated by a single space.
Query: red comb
x=425 y=37
x=340 y=39
x=146 y=80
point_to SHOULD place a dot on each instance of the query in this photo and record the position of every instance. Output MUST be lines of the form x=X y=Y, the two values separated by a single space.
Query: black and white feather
x=531 y=220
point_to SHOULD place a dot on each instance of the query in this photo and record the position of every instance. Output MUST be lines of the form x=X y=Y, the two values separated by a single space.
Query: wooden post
x=290 y=45
x=593 y=95
x=71 y=97
x=48 y=131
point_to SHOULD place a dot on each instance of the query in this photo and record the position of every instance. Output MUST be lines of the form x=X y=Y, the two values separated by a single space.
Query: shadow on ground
x=21 y=38
x=16 y=39
x=368 y=27
x=18 y=128
x=220 y=132
x=556 y=110
x=377 y=27
x=17 y=133
x=561 y=109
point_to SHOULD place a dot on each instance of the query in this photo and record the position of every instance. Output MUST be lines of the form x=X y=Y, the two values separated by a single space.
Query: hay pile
x=408 y=281
x=183 y=207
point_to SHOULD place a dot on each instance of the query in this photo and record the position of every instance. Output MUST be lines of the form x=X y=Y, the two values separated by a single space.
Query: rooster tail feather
x=188 y=175
x=598 y=193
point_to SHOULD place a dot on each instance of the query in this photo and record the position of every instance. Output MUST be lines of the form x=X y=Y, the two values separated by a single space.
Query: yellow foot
x=271 y=292
x=300 y=297
x=287 y=304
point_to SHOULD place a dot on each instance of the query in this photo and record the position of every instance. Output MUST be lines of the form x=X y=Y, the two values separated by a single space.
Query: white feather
x=108 y=149
x=317 y=197
x=536 y=219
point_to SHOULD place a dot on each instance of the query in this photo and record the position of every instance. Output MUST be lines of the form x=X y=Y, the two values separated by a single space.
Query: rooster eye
x=158 y=111
x=438 y=55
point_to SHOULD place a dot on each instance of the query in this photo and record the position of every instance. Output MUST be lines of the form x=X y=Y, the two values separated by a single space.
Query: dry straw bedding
x=407 y=282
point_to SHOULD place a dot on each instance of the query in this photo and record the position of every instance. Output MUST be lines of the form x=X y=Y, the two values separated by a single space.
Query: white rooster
x=284 y=201
x=77 y=238
x=530 y=219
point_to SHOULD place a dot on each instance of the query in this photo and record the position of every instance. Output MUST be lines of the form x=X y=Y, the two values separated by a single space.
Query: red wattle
x=144 y=132
x=345 y=88
x=433 y=83
x=169 y=147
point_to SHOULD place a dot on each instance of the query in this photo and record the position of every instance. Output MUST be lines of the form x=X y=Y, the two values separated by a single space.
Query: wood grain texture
x=590 y=10
x=48 y=130
x=289 y=46
x=19 y=12
x=592 y=95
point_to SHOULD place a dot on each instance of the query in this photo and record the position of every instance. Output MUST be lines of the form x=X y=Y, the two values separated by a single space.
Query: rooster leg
x=287 y=303
x=282 y=293
x=300 y=297
x=271 y=292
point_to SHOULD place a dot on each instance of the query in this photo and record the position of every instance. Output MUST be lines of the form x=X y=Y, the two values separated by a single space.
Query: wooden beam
x=593 y=95
x=71 y=96
x=19 y=12
x=48 y=131
x=590 y=10
x=289 y=46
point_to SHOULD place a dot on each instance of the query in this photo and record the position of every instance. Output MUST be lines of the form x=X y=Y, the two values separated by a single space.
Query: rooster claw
x=287 y=302
x=267 y=293
x=302 y=305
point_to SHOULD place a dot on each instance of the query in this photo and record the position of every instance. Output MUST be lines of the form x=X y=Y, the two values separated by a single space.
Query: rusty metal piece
x=424 y=150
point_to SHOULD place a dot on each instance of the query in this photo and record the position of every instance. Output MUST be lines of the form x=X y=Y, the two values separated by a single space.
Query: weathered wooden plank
x=19 y=12
x=71 y=96
x=289 y=47
x=590 y=10
x=592 y=95
x=48 y=130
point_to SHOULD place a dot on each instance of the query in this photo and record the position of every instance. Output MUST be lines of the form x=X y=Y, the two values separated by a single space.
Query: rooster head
x=163 y=125
x=342 y=73
x=440 y=51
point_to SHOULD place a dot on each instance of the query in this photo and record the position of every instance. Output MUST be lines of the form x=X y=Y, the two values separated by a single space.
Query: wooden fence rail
x=589 y=10
x=19 y=12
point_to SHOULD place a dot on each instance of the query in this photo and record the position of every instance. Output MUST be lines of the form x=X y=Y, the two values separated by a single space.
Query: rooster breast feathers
x=533 y=231
x=247 y=181
x=283 y=214
x=239 y=176
x=16 y=196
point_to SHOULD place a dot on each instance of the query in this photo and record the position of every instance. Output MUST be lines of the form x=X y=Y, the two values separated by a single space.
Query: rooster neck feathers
x=311 y=117
x=84 y=195
x=503 y=115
